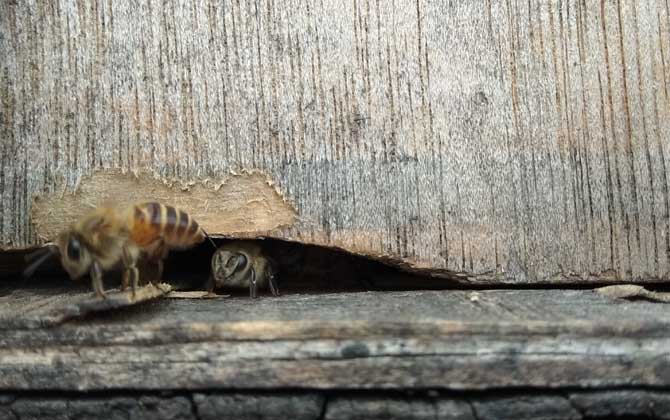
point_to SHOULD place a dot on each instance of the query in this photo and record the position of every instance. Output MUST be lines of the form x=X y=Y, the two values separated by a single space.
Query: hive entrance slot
x=298 y=268
x=303 y=268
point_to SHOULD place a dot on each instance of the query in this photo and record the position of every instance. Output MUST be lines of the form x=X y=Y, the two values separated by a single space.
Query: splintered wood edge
x=115 y=299
x=632 y=291
x=245 y=203
x=196 y=294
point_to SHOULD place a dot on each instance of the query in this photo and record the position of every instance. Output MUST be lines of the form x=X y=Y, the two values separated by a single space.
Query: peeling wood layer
x=244 y=203
x=523 y=139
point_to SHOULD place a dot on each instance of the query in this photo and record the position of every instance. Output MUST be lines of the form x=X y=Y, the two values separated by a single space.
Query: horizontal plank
x=86 y=408
x=316 y=405
x=428 y=339
x=300 y=406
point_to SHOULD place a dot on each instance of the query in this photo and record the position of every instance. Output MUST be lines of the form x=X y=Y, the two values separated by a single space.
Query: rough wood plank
x=314 y=405
x=128 y=407
x=383 y=407
x=360 y=340
x=245 y=406
x=622 y=403
x=533 y=407
x=508 y=141
x=49 y=307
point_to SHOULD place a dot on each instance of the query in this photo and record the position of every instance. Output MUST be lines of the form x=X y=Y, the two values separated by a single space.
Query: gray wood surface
x=49 y=307
x=506 y=141
x=393 y=340
x=311 y=405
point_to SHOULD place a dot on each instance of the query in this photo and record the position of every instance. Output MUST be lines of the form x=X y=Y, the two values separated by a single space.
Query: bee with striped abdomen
x=109 y=237
x=241 y=264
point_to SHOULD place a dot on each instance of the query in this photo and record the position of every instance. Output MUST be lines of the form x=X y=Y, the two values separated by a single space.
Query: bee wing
x=104 y=226
x=110 y=203
x=97 y=225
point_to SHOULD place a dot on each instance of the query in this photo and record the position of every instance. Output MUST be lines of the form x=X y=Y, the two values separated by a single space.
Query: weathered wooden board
x=509 y=141
x=45 y=308
x=445 y=340
x=311 y=405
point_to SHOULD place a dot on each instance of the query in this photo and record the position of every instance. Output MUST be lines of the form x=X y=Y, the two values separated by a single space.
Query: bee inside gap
x=239 y=267
x=282 y=267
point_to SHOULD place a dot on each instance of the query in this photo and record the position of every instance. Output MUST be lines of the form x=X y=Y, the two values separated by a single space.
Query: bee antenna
x=211 y=241
x=37 y=258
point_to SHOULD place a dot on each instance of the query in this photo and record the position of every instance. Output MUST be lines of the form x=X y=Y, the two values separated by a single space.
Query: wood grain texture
x=316 y=405
x=87 y=408
x=394 y=340
x=380 y=407
x=51 y=306
x=508 y=141
x=268 y=406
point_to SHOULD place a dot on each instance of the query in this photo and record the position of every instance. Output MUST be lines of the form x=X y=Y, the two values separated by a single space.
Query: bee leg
x=124 y=280
x=159 y=272
x=210 y=285
x=129 y=262
x=96 y=280
x=253 y=286
x=156 y=257
x=135 y=279
x=272 y=282
x=159 y=255
x=134 y=274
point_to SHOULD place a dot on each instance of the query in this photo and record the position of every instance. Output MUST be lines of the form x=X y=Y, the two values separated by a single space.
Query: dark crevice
x=299 y=268
x=427 y=394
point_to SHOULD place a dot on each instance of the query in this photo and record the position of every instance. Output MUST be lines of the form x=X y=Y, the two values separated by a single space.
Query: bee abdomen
x=176 y=227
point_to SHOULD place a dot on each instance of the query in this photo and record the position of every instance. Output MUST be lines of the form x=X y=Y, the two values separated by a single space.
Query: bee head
x=75 y=256
x=226 y=263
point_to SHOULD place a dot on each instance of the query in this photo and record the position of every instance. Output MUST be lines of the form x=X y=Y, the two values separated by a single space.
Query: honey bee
x=109 y=237
x=241 y=264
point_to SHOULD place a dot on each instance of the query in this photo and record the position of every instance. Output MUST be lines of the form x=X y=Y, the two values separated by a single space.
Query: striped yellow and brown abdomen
x=154 y=221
